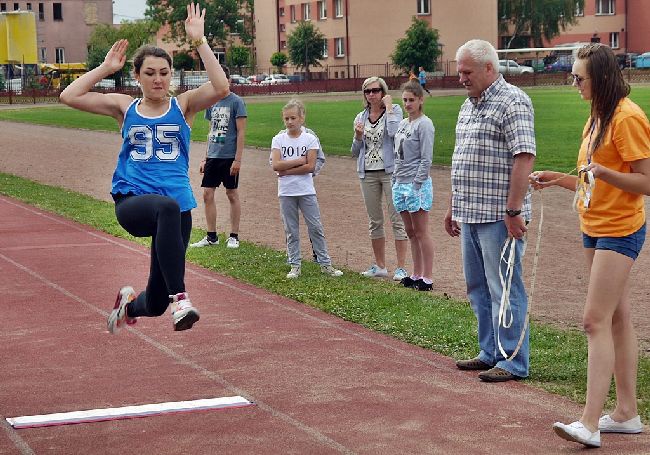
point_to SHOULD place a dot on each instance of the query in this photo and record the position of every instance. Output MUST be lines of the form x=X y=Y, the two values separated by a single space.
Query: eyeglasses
x=579 y=80
x=373 y=90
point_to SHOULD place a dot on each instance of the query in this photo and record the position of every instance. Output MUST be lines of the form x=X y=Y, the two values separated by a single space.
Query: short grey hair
x=480 y=51
x=370 y=80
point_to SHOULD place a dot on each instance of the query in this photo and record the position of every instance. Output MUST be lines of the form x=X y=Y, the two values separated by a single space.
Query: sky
x=128 y=10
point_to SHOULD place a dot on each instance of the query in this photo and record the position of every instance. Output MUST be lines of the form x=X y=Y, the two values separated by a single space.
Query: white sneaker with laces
x=329 y=270
x=295 y=272
x=400 y=274
x=118 y=316
x=375 y=272
x=232 y=242
x=204 y=242
x=608 y=425
x=577 y=432
x=184 y=315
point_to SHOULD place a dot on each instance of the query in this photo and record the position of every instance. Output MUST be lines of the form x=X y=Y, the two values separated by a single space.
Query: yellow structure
x=18 y=38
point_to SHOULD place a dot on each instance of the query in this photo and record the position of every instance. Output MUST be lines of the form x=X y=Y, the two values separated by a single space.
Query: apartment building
x=624 y=25
x=365 y=32
x=63 y=27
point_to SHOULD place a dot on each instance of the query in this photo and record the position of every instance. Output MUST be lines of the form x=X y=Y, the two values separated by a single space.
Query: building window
x=41 y=12
x=43 y=54
x=60 y=55
x=29 y=7
x=16 y=6
x=579 y=11
x=282 y=27
x=283 y=44
x=3 y=7
x=338 y=8
x=281 y=12
x=423 y=7
x=292 y=10
x=340 y=48
x=57 y=11
x=322 y=10
x=306 y=12
x=605 y=7
x=613 y=40
x=324 y=48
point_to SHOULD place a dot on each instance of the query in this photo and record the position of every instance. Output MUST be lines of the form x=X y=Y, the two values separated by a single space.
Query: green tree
x=305 y=44
x=103 y=36
x=418 y=48
x=183 y=61
x=222 y=17
x=279 y=59
x=536 y=20
x=238 y=56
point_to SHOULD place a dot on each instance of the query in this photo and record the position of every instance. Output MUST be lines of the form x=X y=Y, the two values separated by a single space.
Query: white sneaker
x=184 y=315
x=118 y=316
x=375 y=272
x=400 y=274
x=329 y=270
x=576 y=432
x=232 y=243
x=608 y=425
x=204 y=242
x=295 y=272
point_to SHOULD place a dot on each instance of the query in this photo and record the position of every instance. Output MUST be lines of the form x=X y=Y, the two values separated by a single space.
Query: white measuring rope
x=504 y=308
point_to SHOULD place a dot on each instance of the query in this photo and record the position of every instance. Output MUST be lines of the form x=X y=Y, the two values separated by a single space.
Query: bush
x=183 y=61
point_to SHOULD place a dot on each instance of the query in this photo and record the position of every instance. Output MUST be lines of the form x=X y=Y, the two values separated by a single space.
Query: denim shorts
x=630 y=245
x=406 y=199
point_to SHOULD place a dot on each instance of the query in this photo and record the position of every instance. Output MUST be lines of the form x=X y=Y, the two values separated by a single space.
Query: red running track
x=321 y=385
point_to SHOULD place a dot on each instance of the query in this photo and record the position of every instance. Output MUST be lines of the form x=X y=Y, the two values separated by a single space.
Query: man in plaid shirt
x=493 y=156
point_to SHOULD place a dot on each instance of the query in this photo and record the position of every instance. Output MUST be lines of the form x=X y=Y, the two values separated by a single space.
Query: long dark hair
x=608 y=87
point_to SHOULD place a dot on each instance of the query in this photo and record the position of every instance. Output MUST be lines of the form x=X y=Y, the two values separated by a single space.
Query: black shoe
x=407 y=282
x=420 y=285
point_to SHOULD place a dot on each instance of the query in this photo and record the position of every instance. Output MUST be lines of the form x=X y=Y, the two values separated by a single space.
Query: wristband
x=197 y=42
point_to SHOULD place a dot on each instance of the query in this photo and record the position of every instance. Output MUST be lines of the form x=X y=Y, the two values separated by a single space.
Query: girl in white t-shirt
x=293 y=158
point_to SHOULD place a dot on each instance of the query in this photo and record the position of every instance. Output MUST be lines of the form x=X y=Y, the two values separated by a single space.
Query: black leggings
x=160 y=218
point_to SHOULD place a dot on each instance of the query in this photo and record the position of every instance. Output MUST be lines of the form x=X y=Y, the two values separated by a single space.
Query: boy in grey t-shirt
x=221 y=165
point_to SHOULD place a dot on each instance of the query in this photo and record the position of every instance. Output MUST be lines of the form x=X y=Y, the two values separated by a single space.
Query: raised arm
x=198 y=99
x=79 y=96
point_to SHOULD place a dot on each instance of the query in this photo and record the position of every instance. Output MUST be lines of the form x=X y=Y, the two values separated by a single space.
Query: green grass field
x=560 y=115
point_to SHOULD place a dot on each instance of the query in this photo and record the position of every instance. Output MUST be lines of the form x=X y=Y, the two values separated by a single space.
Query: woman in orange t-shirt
x=614 y=175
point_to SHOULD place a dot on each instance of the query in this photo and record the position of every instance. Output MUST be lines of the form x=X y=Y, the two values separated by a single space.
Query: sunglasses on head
x=372 y=90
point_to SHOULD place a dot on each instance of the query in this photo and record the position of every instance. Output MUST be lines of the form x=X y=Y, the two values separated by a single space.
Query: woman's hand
x=116 y=56
x=358 y=130
x=387 y=100
x=194 y=24
x=542 y=179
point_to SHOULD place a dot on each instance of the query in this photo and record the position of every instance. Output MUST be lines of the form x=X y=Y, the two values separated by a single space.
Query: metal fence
x=29 y=91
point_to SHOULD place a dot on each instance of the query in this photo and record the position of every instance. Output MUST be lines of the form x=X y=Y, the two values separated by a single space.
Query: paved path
x=321 y=385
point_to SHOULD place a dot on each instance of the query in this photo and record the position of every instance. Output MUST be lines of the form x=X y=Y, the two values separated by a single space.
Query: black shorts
x=217 y=171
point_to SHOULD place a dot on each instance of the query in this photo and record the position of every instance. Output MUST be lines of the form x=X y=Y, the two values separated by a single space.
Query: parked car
x=296 y=78
x=563 y=63
x=643 y=60
x=274 y=79
x=513 y=68
x=256 y=78
x=627 y=60
x=537 y=64
x=237 y=79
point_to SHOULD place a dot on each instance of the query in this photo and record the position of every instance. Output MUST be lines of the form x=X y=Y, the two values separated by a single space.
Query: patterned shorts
x=405 y=198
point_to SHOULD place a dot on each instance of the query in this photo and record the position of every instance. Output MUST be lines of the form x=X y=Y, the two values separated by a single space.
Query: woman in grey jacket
x=374 y=130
